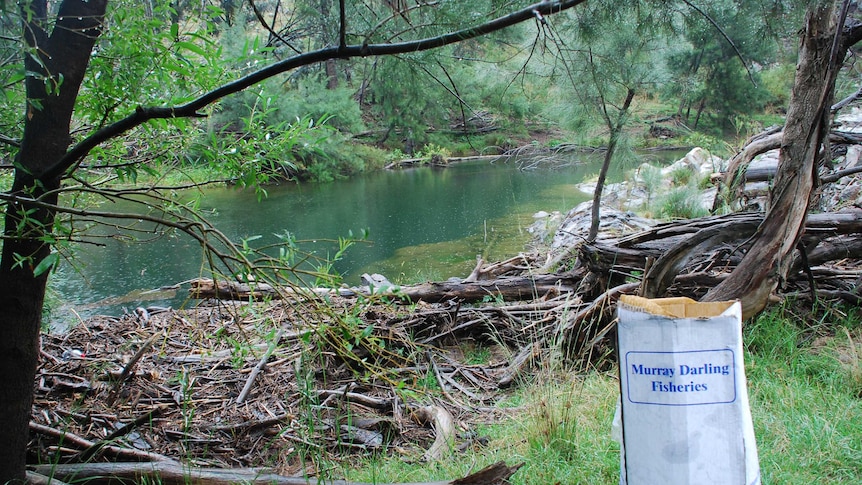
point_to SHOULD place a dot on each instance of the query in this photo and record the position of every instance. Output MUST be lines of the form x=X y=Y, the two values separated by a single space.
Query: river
x=423 y=224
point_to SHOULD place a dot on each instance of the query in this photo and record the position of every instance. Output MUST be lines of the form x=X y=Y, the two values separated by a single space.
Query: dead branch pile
x=237 y=385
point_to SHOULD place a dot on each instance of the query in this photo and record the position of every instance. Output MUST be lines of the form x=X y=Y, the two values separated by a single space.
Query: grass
x=560 y=432
x=681 y=203
x=805 y=399
x=805 y=385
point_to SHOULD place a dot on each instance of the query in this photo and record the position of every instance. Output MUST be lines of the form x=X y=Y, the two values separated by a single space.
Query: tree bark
x=62 y=51
x=767 y=262
x=507 y=288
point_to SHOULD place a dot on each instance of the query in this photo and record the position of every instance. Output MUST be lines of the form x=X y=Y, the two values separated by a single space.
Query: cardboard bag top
x=679 y=307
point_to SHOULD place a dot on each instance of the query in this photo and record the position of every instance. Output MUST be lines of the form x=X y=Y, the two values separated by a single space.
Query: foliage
x=716 y=71
x=805 y=393
x=683 y=202
x=777 y=80
x=652 y=179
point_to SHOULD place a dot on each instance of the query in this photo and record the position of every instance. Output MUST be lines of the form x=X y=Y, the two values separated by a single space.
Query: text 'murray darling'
x=683 y=370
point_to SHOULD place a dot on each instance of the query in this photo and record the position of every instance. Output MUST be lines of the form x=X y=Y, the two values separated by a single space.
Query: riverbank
x=312 y=388
x=305 y=393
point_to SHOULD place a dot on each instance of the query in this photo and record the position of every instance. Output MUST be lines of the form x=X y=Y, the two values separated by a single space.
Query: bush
x=682 y=203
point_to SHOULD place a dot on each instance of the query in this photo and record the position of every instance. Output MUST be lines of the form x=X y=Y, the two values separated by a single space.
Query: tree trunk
x=766 y=264
x=331 y=74
x=172 y=473
x=63 y=50
x=616 y=131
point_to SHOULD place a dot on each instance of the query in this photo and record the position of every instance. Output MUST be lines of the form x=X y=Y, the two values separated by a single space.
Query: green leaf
x=190 y=46
x=46 y=264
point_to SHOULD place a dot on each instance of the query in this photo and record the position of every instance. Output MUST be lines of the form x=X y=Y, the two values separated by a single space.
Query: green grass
x=681 y=203
x=561 y=433
x=805 y=394
x=805 y=386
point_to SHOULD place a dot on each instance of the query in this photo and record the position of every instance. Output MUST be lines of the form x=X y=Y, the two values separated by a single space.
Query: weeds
x=682 y=203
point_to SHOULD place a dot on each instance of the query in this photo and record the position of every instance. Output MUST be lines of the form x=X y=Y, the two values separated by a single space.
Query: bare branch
x=844 y=102
x=269 y=29
x=10 y=141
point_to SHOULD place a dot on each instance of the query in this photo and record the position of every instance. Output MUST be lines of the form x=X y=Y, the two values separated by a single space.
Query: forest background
x=695 y=85
x=647 y=75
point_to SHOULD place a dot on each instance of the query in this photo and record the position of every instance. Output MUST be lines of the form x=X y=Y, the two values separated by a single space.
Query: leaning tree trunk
x=63 y=51
x=768 y=261
x=616 y=131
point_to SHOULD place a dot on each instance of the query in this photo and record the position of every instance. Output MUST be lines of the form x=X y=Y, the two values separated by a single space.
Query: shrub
x=682 y=203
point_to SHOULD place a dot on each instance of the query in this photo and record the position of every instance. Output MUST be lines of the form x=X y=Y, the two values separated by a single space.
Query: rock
x=699 y=161
x=612 y=222
x=850 y=121
x=545 y=225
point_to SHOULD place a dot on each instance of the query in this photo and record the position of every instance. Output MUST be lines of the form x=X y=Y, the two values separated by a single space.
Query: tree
x=607 y=55
x=711 y=78
x=58 y=50
x=825 y=42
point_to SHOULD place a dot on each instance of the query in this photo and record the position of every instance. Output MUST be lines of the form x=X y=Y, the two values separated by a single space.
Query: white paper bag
x=684 y=415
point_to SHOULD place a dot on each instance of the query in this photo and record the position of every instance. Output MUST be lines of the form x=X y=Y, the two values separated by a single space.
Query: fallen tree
x=521 y=287
x=175 y=473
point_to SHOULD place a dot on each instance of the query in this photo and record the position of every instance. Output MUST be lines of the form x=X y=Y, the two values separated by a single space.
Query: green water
x=423 y=223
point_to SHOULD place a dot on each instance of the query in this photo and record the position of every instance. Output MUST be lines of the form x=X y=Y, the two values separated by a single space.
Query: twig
x=522 y=359
x=112 y=396
x=438 y=376
x=116 y=451
x=372 y=402
x=91 y=451
x=258 y=367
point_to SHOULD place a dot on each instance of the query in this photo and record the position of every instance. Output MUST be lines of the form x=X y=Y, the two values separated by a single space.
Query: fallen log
x=507 y=288
x=174 y=473
x=444 y=431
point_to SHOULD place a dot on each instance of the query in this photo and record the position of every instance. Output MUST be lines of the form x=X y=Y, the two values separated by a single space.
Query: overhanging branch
x=190 y=109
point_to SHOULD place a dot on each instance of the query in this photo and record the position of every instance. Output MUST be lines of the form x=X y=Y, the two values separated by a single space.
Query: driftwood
x=507 y=288
x=254 y=372
x=109 y=450
x=738 y=173
x=444 y=431
x=174 y=473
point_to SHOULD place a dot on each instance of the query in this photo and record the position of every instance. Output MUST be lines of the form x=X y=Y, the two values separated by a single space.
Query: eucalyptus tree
x=58 y=68
x=828 y=33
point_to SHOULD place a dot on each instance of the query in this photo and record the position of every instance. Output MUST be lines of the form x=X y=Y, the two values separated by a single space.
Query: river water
x=424 y=224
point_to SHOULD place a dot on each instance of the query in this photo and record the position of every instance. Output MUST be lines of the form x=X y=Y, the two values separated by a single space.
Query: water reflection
x=424 y=223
